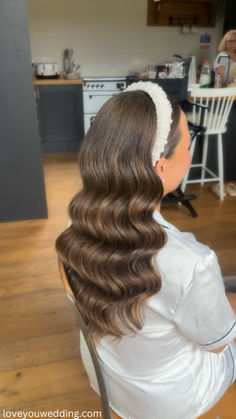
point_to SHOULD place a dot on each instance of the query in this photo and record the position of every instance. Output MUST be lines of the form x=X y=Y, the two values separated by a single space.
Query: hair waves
x=113 y=237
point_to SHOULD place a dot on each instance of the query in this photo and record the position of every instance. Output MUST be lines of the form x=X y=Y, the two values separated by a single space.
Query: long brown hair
x=113 y=237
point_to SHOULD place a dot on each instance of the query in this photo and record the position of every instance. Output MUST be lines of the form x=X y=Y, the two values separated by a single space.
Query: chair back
x=215 y=106
x=65 y=276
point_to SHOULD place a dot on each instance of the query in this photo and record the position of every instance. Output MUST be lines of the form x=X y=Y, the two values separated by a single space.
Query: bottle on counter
x=205 y=76
x=212 y=78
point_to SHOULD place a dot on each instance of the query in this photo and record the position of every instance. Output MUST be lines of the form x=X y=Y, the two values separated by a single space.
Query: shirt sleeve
x=204 y=314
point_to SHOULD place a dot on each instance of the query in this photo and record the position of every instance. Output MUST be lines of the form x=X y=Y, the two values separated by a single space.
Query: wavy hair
x=113 y=236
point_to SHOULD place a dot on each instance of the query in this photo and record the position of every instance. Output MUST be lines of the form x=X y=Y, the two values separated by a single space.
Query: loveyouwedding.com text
x=64 y=413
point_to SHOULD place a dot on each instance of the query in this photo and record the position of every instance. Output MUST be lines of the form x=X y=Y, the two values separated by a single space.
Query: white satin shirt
x=165 y=370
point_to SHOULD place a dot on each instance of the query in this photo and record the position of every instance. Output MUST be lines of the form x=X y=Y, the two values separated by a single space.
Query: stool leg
x=204 y=158
x=220 y=166
x=185 y=179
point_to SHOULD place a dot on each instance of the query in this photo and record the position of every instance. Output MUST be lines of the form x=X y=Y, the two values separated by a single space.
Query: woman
x=225 y=62
x=152 y=297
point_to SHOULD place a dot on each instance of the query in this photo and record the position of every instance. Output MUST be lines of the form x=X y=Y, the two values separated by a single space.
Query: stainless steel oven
x=96 y=91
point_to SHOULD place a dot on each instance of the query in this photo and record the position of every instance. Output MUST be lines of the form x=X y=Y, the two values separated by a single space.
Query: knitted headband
x=163 y=113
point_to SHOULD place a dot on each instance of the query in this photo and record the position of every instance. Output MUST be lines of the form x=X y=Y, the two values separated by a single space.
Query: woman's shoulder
x=185 y=244
x=180 y=262
x=181 y=256
x=181 y=244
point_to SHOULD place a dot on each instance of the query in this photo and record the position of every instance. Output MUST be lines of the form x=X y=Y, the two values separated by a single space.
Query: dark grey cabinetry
x=60 y=115
x=22 y=192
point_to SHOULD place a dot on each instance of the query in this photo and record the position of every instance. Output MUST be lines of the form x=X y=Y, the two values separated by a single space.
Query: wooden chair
x=218 y=103
x=65 y=276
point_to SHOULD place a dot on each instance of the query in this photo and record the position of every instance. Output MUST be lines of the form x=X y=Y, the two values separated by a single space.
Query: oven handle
x=91 y=96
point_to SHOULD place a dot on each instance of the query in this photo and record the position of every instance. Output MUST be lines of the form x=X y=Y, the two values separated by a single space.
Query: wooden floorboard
x=50 y=380
x=40 y=365
x=24 y=326
x=33 y=351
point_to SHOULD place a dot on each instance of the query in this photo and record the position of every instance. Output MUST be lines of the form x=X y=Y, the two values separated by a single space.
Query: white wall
x=109 y=37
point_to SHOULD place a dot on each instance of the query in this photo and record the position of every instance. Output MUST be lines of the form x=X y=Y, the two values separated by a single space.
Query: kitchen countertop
x=233 y=84
x=60 y=81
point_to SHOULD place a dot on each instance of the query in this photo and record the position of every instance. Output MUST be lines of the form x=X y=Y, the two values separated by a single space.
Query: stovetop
x=104 y=84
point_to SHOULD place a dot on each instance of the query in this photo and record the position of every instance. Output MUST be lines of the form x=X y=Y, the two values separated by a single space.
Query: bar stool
x=213 y=113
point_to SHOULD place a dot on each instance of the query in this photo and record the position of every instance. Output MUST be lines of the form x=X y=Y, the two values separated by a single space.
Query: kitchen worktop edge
x=57 y=81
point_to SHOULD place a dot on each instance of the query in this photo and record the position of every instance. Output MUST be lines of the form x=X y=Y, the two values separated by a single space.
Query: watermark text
x=64 y=413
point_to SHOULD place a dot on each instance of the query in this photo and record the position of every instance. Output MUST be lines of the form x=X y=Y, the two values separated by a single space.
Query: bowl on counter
x=72 y=76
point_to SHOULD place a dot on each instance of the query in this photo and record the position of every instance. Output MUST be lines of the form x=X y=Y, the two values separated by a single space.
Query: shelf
x=180 y=12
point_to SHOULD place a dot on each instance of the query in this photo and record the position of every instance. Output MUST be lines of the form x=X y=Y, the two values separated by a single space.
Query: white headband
x=163 y=113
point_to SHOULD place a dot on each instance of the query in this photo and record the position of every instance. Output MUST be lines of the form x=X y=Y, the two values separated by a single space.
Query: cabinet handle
x=91 y=96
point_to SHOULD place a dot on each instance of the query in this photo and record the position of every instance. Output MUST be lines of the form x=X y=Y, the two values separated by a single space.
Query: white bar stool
x=213 y=118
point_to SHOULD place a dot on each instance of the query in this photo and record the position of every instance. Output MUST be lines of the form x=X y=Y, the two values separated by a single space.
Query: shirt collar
x=161 y=220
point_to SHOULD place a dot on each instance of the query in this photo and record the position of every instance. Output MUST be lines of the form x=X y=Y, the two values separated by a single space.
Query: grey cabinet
x=22 y=189
x=60 y=116
x=229 y=146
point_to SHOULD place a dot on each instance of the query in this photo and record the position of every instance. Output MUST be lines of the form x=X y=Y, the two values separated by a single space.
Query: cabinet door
x=229 y=146
x=60 y=117
x=22 y=192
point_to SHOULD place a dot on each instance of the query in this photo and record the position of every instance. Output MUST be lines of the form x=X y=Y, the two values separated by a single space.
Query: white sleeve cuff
x=222 y=341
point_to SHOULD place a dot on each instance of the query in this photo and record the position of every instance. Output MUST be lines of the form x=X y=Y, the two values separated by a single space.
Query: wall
x=108 y=37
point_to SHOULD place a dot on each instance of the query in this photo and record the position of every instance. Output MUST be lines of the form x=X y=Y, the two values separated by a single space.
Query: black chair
x=178 y=196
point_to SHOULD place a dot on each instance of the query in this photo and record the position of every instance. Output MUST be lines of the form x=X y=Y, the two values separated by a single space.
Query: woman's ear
x=160 y=167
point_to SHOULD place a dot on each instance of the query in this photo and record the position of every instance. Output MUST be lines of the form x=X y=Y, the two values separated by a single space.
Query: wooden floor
x=40 y=366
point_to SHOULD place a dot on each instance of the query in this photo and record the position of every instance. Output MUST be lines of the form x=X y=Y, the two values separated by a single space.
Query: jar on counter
x=205 y=77
x=218 y=80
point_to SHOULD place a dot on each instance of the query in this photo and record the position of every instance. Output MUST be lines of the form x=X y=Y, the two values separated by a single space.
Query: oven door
x=94 y=100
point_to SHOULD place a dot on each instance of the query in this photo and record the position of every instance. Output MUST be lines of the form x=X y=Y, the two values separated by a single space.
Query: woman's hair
x=222 y=45
x=113 y=237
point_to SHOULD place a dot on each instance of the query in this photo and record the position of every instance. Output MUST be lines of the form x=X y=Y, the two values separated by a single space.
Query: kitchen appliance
x=47 y=70
x=70 y=67
x=96 y=91
x=68 y=60
x=229 y=65
x=175 y=69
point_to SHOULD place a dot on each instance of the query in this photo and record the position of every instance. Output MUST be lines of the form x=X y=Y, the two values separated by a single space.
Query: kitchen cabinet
x=174 y=88
x=180 y=13
x=229 y=146
x=60 y=116
x=22 y=188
